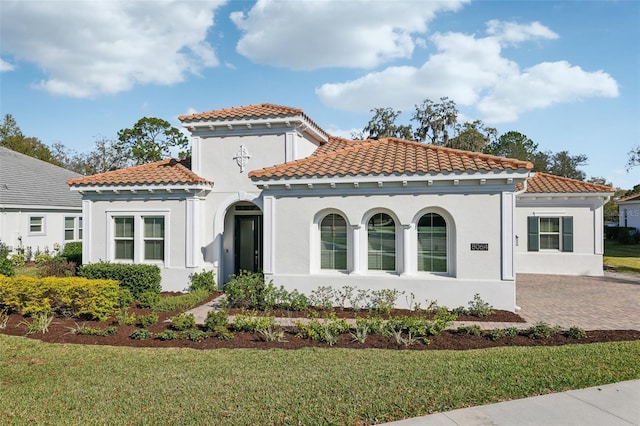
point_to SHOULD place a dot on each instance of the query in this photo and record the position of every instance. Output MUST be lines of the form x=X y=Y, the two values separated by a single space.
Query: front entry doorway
x=248 y=243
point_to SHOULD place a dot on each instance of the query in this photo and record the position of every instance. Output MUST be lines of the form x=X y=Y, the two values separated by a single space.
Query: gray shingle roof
x=26 y=181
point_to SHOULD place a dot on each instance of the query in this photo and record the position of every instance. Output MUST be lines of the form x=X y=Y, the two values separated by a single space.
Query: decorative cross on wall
x=242 y=157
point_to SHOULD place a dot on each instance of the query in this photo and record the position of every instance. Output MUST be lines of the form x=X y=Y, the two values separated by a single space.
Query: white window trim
x=138 y=236
x=316 y=241
x=43 y=224
x=398 y=243
x=559 y=234
x=76 y=228
x=414 y=247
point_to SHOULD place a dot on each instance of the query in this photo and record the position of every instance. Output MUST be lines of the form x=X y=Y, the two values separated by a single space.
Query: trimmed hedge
x=73 y=252
x=137 y=279
x=71 y=296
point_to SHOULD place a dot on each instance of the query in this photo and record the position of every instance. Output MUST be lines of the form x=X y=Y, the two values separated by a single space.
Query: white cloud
x=6 y=66
x=473 y=72
x=90 y=48
x=313 y=34
x=512 y=32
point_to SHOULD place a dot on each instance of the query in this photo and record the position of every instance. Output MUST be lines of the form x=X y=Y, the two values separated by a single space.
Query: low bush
x=540 y=330
x=202 y=280
x=194 y=335
x=74 y=297
x=183 y=322
x=125 y=299
x=39 y=323
x=18 y=260
x=56 y=267
x=182 y=302
x=216 y=319
x=471 y=330
x=383 y=301
x=252 y=324
x=6 y=267
x=148 y=299
x=576 y=333
x=479 y=308
x=123 y=317
x=167 y=335
x=73 y=252
x=221 y=332
x=141 y=334
x=148 y=320
x=322 y=330
x=137 y=278
x=248 y=290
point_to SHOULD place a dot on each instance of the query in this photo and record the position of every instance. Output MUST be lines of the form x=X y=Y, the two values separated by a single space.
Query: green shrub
x=246 y=290
x=194 y=335
x=576 y=333
x=472 y=330
x=136 y=278
x=202 y=280
x=479 y=308
x=541 y=330
x=73 y=252
x=4 y=250
x=252 y=324
x=182 y=302
x=322 y=297
x=40 y=323
x=125 y=299
x=6 y=267
x=167 y=335
x=148 y=299
x=221 y=332
x=148 y=320
x=123 y=317
x=183 y=322
x=73 y=296
x=322 y=330
x=18 y=260
x=215 y=319
x=43 y=257
x=272 y=334
x=141 y=334
x=421 y=326
x=384 y=300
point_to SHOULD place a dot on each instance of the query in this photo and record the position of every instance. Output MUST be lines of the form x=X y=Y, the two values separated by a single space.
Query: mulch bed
x=60 y=332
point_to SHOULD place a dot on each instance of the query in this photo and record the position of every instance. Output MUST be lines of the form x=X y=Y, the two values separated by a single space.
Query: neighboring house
x=267 y=189
x=37 y=209
x=629 y=209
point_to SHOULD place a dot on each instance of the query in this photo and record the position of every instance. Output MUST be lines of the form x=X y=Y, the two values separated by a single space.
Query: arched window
x=432 y=243
x=333 y=242
x=381 y=231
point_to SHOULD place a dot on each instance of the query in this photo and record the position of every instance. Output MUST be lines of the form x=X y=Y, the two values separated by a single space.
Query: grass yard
x=29 y=271
x=76 y=384
x=624 y=258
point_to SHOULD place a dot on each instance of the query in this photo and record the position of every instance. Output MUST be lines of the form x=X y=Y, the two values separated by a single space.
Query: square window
x=36 y=224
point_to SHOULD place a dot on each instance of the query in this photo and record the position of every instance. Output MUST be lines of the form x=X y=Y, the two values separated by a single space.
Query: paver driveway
x=611 y=302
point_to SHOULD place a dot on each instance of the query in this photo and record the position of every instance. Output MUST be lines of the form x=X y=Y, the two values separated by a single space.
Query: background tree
x=11 y=137
x=610 y=209
x=634 y=158
x=473 y=136
x=151 y=139
x=566 y=165
x=514 y=144
x=434 y=121
x=383 y=125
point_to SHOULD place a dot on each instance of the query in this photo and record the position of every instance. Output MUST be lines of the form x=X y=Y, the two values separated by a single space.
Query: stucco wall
x=14 y=227
x=471 y=218
x=588 y=245
x=174 y=271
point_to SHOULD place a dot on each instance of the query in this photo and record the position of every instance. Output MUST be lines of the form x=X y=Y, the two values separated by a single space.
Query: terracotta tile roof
x=335 y=144
x=389 y=157
x=248 y=112
x=542 y=183
x=634 y=197
x=170 y=171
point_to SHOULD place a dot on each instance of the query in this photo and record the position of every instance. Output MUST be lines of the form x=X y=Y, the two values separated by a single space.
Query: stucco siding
x=15 y=231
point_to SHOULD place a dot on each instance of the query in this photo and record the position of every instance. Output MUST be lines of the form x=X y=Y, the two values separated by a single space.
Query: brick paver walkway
x=611 y=302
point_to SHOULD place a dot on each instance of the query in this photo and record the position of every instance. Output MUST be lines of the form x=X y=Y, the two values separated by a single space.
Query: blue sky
x=566 y=74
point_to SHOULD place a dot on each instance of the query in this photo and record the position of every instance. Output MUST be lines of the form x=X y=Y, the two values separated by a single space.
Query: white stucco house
x=268 y=189
x=629 y=209
x=37 y=209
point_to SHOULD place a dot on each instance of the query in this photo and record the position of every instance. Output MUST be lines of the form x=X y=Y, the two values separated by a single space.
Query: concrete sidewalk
x=613 y=404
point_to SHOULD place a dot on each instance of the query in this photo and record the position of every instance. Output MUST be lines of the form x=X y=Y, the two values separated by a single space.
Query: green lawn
x=76 y=384
x=30 y=271
x=624 y=258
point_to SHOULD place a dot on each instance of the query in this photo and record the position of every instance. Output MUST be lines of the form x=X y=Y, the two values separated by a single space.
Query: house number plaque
x=479 y=246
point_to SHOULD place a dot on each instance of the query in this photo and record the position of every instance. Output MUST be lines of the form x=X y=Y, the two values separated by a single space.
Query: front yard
x=76 y=384
x=622 y=257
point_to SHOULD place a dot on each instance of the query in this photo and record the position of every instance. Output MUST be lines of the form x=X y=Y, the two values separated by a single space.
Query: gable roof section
x=635 y=198
x=248 y=112
x=544 y=183
x=388 y=156
x=170 y=171
x=27 y=181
